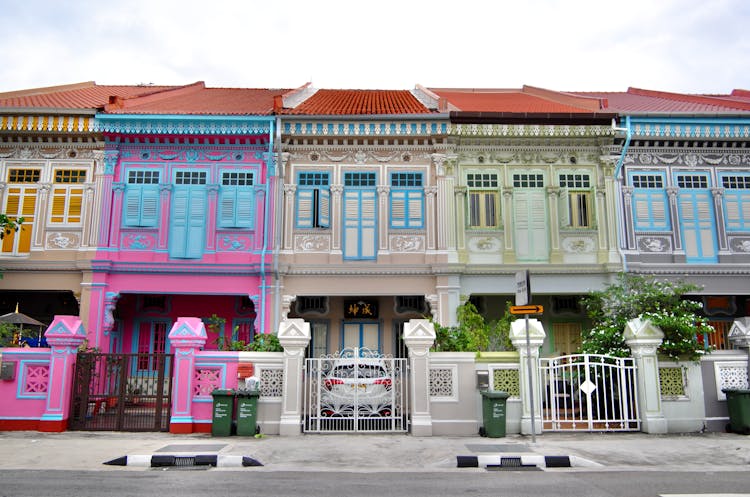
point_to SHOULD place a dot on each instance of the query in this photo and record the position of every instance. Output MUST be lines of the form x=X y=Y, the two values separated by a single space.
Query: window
x=319 y=342
x=575 y=201
x=313 y=200
x=187 y=225
x=310 y=304
x=650 y=211
x=360 y=219
x=20 y=201
x=237 y=200
x=152 y=339
x=67 y=197
x=692 y=181
x=142 y=199
x=736 y=202
x=528 y=180
x=407 y=200
x=483 y=200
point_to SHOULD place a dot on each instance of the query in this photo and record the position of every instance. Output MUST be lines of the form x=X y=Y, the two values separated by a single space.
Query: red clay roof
x=359 y=102
x=86 y=95
x=197 y=99
x=640 y=101
x=523 y=101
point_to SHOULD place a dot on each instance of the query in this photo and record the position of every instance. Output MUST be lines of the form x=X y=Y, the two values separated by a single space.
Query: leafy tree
x=7 y=334
x=662 y=302
x=473 y=333
x=8 y=225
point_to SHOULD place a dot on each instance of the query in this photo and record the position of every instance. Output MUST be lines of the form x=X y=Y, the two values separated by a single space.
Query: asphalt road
x=219 y=482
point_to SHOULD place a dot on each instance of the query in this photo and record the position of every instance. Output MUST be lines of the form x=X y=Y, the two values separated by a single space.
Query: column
x=42 y=210
x=644 y=339
x=288 y=218
x=104 y=173
x=335 y=213
x=429 y=218
x=419 y=336
x=528 y=372
x=721 y=228
x=627 y=216
x=211 y=215
x=187 y=337
x=64 y=335
x=89 y=213
x=509 y=252
x=602 y=223
x=674 y=217
x=447 y=219
x=115 y=220
x=383 y=217
x=165 y=197
x=459 y=194
x=294 y=336
x=553 y=200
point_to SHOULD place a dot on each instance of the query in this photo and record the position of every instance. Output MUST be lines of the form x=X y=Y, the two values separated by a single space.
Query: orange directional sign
x=526 y=309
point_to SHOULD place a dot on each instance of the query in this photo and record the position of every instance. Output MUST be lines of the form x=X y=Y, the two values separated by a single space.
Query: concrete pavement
x=380 y=453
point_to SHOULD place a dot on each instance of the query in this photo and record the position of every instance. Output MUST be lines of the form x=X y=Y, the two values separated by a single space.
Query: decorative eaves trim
x=528 y=130
x=690 y=128
x=183 y=125
x=369 y=128
x=47 y=124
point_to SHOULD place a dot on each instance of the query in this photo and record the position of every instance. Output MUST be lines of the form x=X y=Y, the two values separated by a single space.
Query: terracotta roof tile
x=639 y=101
x=77 y=96
x=525 y=100
x=201 y=101
x=360 y=102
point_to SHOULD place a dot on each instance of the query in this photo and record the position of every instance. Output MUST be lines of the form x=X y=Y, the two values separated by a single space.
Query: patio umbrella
x=21 y=319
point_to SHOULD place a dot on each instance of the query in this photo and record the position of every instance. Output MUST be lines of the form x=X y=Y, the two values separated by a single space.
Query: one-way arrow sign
x=526 y=309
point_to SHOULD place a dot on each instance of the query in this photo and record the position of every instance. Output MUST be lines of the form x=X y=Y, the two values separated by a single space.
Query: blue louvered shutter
x=236 y=207
x=324 y=208
x=188 y=224
x=305 y=208
x=178 y=230
x=149 y=206
x=131 y=210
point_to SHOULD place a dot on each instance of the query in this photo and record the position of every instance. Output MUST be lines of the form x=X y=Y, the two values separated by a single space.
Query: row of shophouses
x=358 y=210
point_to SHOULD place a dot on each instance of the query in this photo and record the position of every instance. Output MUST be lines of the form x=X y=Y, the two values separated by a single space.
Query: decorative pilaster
x=447 y=219
x=419 y=336
x=509 y=252
x=674 y=216
x=553 y=201
x=42 y=207
x=429 y=218
x=627 y=217
x=644 y=339
x=721 y=230
x=64 y=335
x=528 y=354
x=383 y=192
x=294 y=336
x=211 y=216
x=336 y=192
x=188 y=335
x=115 y=221
x=459 y=194
x=289 y=217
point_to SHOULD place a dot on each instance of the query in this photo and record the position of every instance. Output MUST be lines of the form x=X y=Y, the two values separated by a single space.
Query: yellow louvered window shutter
x=67 y=201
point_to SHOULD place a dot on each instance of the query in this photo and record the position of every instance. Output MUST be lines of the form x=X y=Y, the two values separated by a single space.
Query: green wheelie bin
x=223 y=412
x=738 y=405
x=493 y=413
x=247 y=412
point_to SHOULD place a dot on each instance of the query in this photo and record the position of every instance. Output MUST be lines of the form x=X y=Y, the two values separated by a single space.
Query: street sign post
x=523 y=288
x=526 y=309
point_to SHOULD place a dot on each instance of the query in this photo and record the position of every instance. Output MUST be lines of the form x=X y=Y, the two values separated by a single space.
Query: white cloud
x=671 y=45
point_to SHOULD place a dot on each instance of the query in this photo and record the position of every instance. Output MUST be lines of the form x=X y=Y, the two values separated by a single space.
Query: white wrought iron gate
x=588 y=392
x=356 y=390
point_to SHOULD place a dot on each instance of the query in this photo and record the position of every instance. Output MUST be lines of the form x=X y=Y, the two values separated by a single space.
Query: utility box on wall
x=8 y=370
x=483 y=380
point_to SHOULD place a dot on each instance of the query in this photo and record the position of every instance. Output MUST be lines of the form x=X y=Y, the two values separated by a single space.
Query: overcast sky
x=693 y=46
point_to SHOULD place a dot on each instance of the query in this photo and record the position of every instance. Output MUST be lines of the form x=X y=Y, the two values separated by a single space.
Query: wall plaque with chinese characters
x=360 y=309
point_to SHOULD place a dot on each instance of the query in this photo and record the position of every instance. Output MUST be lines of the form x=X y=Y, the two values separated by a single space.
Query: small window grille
x=528 y=180
x=648 y=181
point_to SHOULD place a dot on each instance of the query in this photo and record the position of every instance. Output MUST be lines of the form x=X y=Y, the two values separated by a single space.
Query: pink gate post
x=64 y=335
x=188 y=335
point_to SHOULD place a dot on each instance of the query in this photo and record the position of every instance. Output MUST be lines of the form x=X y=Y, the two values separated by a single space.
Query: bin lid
x=220 y=392
x=247 y=393
x=495 y=395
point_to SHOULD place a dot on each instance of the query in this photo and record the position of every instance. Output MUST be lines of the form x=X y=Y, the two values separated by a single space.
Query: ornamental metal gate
x=589 y=393
x=356 y=390
x=122 y=392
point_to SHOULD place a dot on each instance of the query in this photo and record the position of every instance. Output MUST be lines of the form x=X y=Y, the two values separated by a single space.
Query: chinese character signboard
x=360 y=309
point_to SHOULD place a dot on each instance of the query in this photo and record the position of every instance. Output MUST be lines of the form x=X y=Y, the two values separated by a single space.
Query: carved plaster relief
x=740 y=245
x=654 y=244
x=312 y=243
x=407 y=243
x=484 y=244
x=578 y=244
x=138 y=241
x=63 y=240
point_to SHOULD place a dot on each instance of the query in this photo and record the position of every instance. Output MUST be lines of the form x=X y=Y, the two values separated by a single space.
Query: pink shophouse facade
x=185 y=220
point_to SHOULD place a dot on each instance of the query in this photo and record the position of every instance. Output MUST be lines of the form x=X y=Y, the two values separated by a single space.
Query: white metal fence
x=588 y=392
x=355 y=390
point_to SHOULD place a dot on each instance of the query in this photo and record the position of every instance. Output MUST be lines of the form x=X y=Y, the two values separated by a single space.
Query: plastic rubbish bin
x=493 y=413
x=738 y=404
x=223 y=412
x=247 y=412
